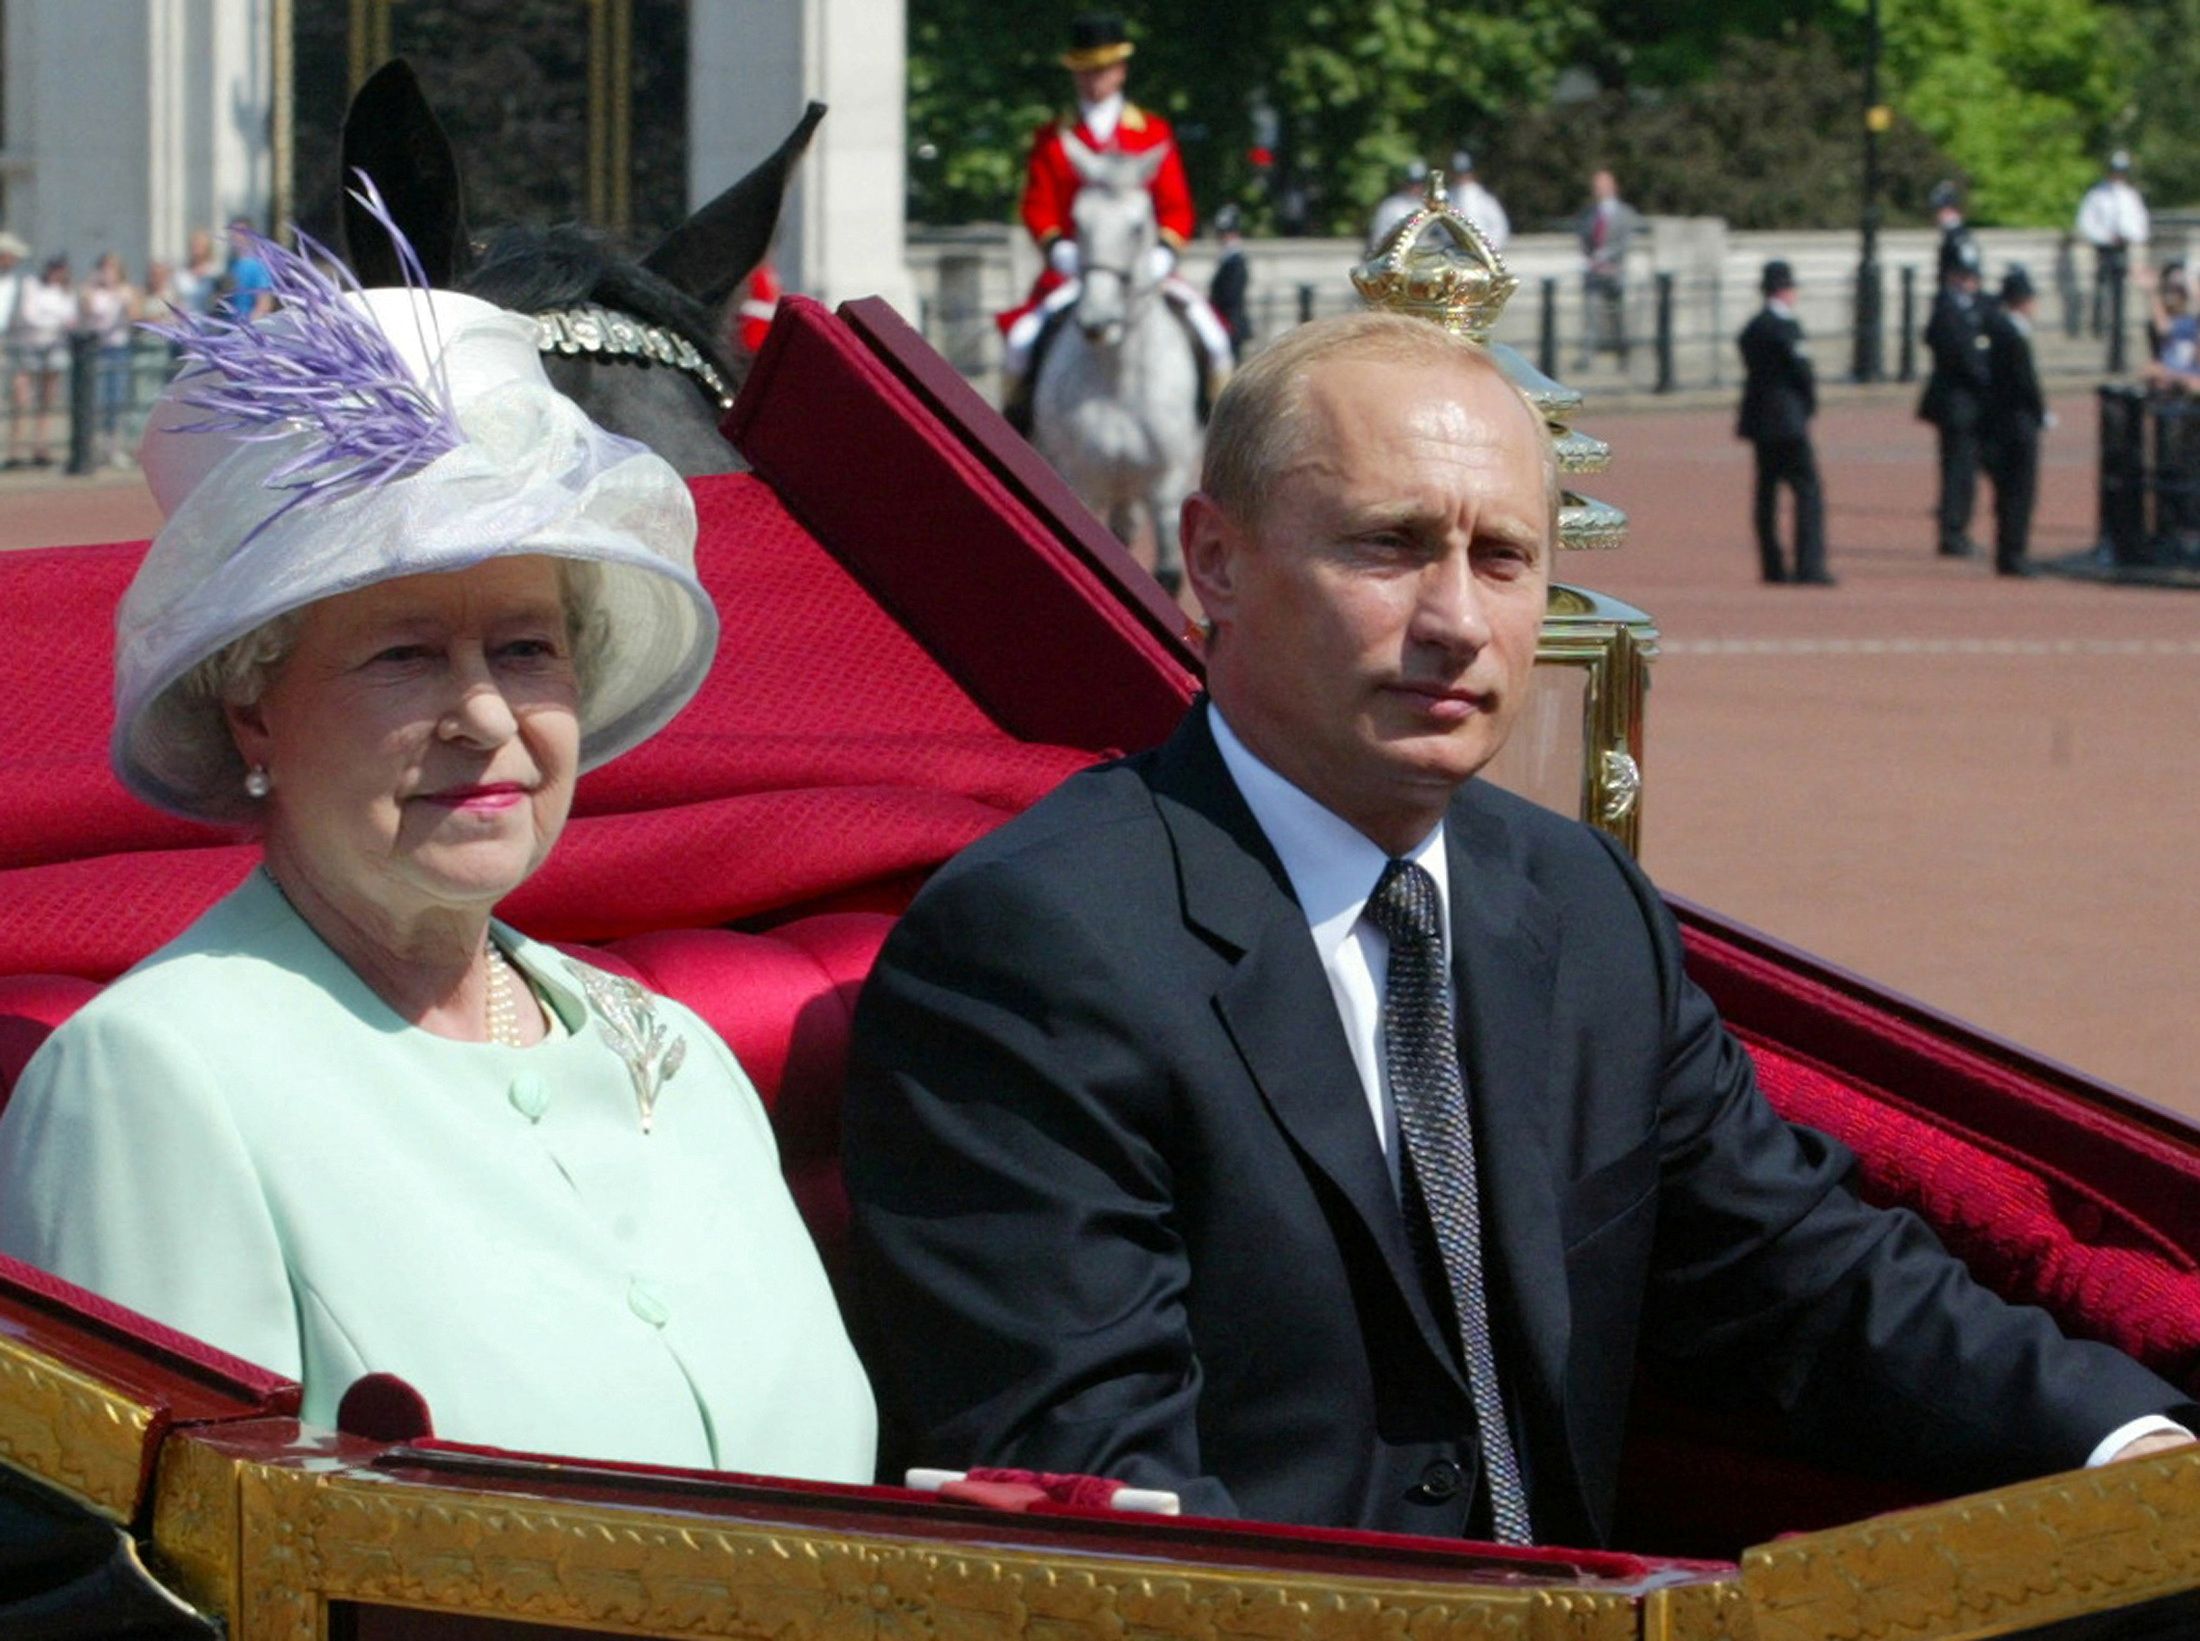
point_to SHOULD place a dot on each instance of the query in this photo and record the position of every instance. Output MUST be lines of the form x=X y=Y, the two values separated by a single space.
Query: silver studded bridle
x=594 y=329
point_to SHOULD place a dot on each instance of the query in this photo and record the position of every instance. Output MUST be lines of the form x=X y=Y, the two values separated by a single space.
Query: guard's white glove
x=1062 y=257
x=1157 y=264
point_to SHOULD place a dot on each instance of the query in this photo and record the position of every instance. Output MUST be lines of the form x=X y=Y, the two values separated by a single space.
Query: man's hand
x=1062 y=257
x=2145 y=1447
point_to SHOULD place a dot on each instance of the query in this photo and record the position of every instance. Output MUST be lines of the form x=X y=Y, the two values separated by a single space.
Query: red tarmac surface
x=1980 y=792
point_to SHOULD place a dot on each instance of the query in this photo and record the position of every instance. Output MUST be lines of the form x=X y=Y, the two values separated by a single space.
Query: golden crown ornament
x=1438 y=265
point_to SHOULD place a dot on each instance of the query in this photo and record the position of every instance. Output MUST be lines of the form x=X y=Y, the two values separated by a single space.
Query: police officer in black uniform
x=1955 y=393
x=2015 y=413
x=1779 y=397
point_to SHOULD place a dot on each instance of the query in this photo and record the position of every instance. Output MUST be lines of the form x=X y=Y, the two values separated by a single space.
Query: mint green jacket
x=239 y=1139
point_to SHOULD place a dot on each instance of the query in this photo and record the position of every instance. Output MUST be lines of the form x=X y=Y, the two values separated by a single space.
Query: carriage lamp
x=1578 y=745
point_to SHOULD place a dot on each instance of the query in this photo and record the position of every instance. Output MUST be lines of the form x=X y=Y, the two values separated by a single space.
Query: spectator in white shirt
x=2112 y=218
x=38 y=349
x=12 y=281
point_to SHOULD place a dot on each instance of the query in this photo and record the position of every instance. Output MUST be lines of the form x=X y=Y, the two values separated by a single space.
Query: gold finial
x=1438 y=265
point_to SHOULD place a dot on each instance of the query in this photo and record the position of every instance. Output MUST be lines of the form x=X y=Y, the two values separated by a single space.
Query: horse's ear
x=1082 y=160
x=1148 y=165
x=392 y=134
x=715 y=249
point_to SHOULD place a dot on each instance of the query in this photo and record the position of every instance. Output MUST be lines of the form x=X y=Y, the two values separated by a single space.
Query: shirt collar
x=1786 y=310
x=1101 y=118
x=1331 y=863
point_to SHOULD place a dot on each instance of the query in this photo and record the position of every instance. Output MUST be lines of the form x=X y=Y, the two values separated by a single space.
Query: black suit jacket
x=1779 y=389
x=1120 y=1206
x=2015 y=407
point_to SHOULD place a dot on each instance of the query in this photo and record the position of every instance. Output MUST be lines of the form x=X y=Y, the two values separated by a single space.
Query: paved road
x=1981 y=792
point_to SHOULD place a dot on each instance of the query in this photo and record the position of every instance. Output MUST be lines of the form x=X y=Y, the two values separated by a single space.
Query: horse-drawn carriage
x=909 y=665
x=906 y=664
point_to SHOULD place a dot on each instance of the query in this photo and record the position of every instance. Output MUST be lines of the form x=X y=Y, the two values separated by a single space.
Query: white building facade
x=125 y=124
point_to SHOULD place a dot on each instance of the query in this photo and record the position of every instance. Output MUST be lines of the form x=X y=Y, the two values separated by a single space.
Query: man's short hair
x=1260 y=418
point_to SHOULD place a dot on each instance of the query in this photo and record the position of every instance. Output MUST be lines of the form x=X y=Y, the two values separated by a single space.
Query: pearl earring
x=257 y=784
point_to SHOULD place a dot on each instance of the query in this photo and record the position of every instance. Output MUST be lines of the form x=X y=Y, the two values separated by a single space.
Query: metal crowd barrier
x=111 y=391
x=1669 y=332
x=2150 y=478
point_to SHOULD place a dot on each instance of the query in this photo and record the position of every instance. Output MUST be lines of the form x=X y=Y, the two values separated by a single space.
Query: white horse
x=1116 y=406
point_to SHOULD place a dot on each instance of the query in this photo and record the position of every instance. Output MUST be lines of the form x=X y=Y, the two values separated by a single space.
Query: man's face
x=1377 y=624
x=1604 y=186
x=1097 y=85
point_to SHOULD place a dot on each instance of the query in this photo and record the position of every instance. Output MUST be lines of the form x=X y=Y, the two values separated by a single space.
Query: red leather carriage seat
x=783 y=1000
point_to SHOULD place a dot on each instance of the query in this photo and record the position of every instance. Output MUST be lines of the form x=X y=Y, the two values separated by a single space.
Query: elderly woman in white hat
x=347 y=1122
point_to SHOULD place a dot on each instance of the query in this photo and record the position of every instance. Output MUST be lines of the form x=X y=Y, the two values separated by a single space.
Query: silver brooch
x=630 y=1024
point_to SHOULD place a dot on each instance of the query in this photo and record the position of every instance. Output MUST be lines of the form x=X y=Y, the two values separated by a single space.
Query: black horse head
x=648 y=372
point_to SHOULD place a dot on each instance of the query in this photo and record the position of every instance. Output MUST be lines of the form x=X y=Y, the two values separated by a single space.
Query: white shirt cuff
x=2124 y=1435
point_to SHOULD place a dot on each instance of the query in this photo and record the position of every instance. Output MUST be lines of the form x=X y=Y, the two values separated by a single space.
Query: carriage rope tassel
x=592 y=328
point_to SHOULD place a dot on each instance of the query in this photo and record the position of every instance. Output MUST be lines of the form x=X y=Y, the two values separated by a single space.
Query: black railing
x=84 y=402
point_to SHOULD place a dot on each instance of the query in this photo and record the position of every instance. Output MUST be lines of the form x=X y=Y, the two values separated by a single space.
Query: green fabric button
x=530 y=1096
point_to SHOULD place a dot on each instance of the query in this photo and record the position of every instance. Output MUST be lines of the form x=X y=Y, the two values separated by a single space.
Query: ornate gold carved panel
x=310 y=1540
x=72 y=1431
x=1987 y=1565
x=195 y=1523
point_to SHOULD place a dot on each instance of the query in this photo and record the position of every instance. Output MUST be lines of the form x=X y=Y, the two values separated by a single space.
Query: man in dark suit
x=1955 y=394
x=1226 y=291
x=2015 y=413
x=1779 y=397
x=1607 y=231
x=1284 y=1118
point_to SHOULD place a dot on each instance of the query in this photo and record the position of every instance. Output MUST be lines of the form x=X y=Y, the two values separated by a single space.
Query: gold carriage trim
x=1991 y=1564
x=1588 y=524
x=71 y=1431
x=1579 y=453
x=311 y=1539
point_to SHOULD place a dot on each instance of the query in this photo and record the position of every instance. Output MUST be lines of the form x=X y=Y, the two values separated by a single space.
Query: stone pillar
x=131 y=122
x=752 y=65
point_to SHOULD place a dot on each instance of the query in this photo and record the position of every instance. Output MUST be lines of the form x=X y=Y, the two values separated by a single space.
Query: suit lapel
x=1502 y=940
x=1275 y=1002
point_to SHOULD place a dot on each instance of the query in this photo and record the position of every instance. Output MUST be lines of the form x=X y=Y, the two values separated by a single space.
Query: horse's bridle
x=594 y=329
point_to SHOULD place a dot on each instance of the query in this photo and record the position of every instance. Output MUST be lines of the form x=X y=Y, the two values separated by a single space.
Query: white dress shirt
x=2113 y=213
x=1101 y=118
x=1333 y=866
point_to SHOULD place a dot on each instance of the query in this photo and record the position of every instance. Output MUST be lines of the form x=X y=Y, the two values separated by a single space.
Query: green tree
x=2022 y=94
x=1750 y=110
x=1768 y=136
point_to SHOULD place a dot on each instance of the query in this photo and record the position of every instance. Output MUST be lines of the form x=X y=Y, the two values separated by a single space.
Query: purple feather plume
x=331 y=371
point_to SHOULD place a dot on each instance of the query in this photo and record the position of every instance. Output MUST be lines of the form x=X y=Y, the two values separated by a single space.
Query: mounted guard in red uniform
x=1105 y=122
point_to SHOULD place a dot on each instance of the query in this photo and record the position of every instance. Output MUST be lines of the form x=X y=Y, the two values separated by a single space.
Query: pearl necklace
x=503 y=1006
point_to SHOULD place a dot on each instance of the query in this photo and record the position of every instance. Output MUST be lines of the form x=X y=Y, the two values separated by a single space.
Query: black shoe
x=41 y=461
x=1959 y=549
x=2020 y=568
x=1776 y=578
x=1816 y=578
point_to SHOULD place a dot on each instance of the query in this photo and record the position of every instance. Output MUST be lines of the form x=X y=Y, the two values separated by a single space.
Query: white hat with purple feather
x=355 y=436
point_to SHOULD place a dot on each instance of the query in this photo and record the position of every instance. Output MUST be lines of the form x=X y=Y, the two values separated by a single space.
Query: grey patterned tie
x=1421 y=1052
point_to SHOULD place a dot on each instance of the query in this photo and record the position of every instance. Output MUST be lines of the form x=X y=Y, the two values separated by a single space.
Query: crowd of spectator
x=43 y=305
